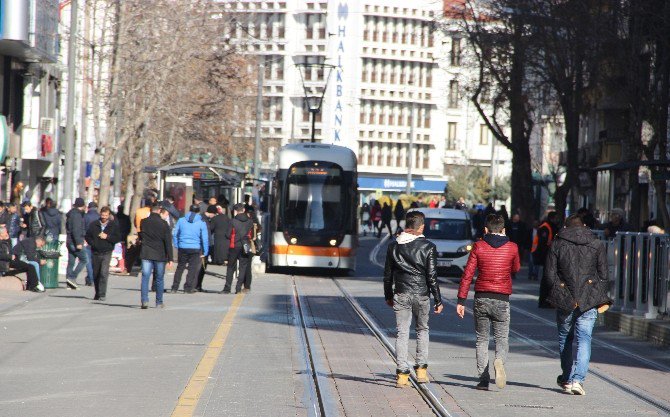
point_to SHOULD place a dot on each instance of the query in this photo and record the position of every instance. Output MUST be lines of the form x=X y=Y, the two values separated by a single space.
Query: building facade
x=391 y=75
x=29 y=88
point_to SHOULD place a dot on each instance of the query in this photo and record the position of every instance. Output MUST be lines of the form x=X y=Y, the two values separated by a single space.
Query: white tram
x=313 y=220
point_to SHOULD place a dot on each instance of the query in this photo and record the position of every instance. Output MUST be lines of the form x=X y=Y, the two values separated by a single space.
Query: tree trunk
x=571 y=119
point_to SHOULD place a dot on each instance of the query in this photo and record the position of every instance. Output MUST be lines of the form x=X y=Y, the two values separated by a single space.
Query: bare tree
x=502 y=91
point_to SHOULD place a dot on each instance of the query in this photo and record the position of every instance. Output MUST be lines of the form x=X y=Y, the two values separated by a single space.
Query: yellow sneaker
x=402 y=380
x=422 y=374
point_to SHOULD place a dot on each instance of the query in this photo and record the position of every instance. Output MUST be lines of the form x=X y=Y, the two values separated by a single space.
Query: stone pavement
x=62 y=354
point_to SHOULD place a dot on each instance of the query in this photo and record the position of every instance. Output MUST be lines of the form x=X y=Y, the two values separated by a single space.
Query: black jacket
x=99 y=245
x=220 y=224
x=52 y=221
x=35 y=223
x=518 y=233
x=5 y=255
x=242 y=225
x=28 y=248
x=576 y=270
x=156 y=239
x=74 y=227
x=399 y=211
x=387 y=214
x=411 y=268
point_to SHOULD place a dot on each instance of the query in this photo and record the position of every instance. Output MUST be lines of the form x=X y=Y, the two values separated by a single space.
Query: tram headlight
x=333 y=242
x=294 y=241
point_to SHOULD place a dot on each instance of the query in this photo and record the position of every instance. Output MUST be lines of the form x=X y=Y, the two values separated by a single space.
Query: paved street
x=62 y=354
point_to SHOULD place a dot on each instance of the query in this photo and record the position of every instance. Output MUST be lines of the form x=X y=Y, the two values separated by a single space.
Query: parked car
x=451 y=231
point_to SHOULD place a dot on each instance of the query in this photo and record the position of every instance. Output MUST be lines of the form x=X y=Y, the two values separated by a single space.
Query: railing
x=639 y=273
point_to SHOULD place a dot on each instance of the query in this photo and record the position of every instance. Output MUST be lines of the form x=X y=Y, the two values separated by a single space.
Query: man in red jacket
x=497 y=259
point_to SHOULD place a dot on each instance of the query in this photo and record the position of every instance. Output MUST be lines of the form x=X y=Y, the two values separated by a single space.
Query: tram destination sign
x=315 y=171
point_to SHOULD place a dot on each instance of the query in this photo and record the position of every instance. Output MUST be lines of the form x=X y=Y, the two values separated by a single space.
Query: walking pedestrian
x=75 y=242
x=376 y=214
x=399 y=213
x=239 y=235
x=576 y=275
x=410 y=276
x=52 y=220
x=10 y=264
x=387 y=216
x=91 y=216
x=365 y=218
x=542 y=240
x=156 y=254
x=101 y=236
x=496 y=259
x=124 y=223
x=191 y=238
x=255 y=239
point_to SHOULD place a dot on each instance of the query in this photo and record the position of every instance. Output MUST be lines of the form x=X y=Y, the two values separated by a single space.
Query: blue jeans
x=579 y=324
x=72 y=257
x=37 y=269
x=158 y=269
x=89 y=265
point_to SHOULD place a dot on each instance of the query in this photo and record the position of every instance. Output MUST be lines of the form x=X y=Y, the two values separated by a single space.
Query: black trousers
x=385 y=224
x=187 y=259
x=234 y=256
x=132 y=255
x=101 y=273
x=18 y=267
x=203 y=268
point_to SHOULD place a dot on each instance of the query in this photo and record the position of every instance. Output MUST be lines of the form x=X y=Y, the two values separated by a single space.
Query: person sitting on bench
x=11 y=265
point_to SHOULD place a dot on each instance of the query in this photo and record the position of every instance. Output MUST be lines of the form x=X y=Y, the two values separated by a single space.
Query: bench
x=11 y=281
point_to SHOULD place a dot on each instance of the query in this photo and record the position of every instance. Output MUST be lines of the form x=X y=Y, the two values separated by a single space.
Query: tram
x=313 y=220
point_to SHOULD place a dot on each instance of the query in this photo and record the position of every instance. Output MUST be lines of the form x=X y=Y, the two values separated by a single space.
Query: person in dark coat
x=577 y=280
x=518 y=233
x=101 y=236
x=542 y=241
x=399 y=213
x=156 y=253
x=33 y=220
x=5 y=215
x=75 y=242
x=211 y=212
x=14 y=225
x=27 y=251
x=219 y=226
x=91 y=216
x=387 y=216
x=239 y=234
x=124 y=223
x=9 y=263
x=52 y=219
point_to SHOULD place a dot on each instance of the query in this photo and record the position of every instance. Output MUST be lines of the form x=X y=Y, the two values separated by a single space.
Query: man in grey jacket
x=410 y=276
x=75 y=242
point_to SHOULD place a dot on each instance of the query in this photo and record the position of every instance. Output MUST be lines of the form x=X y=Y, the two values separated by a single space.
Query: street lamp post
x=410 y=145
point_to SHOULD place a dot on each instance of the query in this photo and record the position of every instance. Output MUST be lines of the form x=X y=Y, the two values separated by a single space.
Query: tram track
x=322 y=404
x=640 y=394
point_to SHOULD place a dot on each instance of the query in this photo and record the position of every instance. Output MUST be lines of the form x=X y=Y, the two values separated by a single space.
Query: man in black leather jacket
x=410 y=276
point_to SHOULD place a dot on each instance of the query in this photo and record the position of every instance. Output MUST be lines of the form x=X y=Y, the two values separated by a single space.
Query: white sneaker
x=71 y=284
x=39 y=287
x=578 y=388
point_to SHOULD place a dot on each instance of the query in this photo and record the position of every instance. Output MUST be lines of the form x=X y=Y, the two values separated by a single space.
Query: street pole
x=68 y=180
x=493 y=162
x=410 y=151
x=313 y=111
x=259 y=120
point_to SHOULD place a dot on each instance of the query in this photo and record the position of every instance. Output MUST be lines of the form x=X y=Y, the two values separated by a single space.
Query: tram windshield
x=314 y=195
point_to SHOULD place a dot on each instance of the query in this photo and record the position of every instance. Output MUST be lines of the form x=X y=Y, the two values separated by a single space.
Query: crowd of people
x=205 y=235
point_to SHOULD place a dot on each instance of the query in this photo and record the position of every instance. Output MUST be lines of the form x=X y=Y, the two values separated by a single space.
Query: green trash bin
x=50 y=252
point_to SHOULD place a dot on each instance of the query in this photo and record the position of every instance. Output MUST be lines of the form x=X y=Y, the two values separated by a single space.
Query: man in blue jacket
x=191 y=238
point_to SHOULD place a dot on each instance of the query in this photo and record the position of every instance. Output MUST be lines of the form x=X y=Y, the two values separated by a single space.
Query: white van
x=451 y=231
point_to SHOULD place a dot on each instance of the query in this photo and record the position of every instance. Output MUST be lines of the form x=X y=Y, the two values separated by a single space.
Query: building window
x=426 y=158
x=485 y=93
x=455 y=52
x=453 y=94
x=483 y=134
x=451 y=136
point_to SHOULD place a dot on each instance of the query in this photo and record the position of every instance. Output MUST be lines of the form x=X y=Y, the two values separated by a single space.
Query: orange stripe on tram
x=312 y=251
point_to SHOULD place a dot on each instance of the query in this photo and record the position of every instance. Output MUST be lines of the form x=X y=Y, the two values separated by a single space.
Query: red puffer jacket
x=497 y=259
